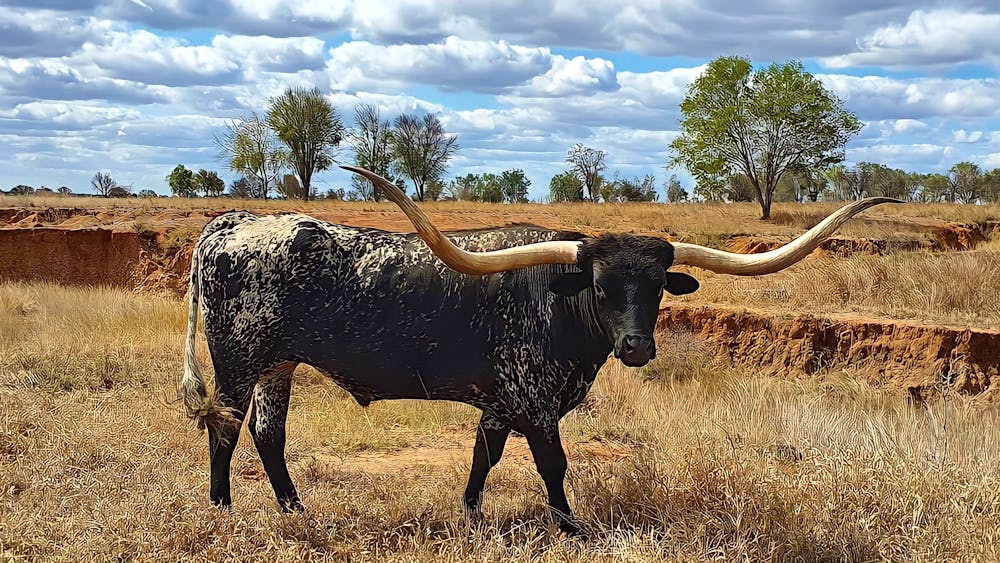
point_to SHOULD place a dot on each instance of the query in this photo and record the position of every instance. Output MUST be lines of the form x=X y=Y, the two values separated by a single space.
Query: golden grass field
x=681 y=461
x=684 y=460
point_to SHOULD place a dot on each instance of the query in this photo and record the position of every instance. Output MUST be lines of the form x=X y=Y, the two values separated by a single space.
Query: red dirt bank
x=914 y=356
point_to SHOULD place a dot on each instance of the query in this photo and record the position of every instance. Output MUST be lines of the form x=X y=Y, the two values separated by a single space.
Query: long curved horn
x=474 y=263
x=777 y=259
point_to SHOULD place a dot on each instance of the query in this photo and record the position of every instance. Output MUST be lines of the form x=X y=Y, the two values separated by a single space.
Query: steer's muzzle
x=635 y=350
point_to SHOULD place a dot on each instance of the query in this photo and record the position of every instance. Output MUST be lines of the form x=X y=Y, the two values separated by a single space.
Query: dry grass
x=683 y=218
x=961 y=288
x=722 y=465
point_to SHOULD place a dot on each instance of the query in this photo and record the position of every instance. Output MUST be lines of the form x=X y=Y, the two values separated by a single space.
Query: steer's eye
x=599 y=290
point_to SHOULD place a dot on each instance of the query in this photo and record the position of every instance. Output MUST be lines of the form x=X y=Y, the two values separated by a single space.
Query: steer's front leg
x=550 y=460
x=491 y=436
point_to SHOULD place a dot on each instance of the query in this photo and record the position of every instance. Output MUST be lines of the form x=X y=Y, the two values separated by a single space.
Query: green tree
x=565 y=187
x=147 y=193
x=588 y=164
x=251 y=149
x=421 y=149
x=933 y=188
x=629 y=189
x=463 y=188
x=209 y=183
x=120 y=191
x=675 y=193
x=966 y=182
x=712 y=187
x=305 y=121
x=489 y=188
x=64 y=190
x=760 y=123
x=885 y=181
x=991 y=186
x=22 y=189
x=434 y=189
x=370 y=142
x=181 y=181
x=514 y=186
x=103 y=183
x=240 y=189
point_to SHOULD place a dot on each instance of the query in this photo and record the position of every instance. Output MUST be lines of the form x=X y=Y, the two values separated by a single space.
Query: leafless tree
x=421 y=149
x=587 y=164
x=103 y=183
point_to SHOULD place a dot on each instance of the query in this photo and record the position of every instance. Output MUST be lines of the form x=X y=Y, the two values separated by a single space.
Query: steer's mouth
x=635 y=351
x=634 y=363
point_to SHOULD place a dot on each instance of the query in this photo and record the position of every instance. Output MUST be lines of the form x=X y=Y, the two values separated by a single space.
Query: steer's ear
x=568 y=285
x=680 y=284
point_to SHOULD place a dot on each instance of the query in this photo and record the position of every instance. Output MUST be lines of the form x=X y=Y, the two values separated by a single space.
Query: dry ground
x=684 y=461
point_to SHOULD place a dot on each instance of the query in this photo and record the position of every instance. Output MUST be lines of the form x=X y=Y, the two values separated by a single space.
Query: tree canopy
x=306 y=122
x=565 y=187
x=370 y=141
x=251 y=149
x=760 y=123
x=103 y=184
x=421 y=149
x=587 y=164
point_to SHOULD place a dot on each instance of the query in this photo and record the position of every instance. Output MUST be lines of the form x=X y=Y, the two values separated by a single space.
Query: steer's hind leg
x=267 y=426
x=491 y=436
x=222 y=439
x=550 y=459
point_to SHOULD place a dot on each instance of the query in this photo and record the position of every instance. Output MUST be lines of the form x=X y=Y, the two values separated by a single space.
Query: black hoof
x=292 y=505
x=223 y=504
x=573 y=529
x=471 y=505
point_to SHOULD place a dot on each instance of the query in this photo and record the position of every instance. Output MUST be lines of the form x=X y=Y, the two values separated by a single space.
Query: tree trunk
x=763 y=198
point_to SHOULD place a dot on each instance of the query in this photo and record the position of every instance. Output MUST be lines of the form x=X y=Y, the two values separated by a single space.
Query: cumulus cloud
x=873 y=97
x=649 y=27
x=245 y=17
x=570 y=77
x=908 y=125
x=53 y=79
x=273 y=54
x=453 y=64
x=45 y=33
x=928 y=38
x=144 y=57
x=963 y=136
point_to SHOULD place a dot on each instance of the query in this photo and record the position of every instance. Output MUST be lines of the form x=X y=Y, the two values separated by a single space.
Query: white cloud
x=453 y=64
x=908 y=126
x=63 y=116
x=46 y=33
x=144 y=57
x=916 y=98
x=963 y=136
x=991 y=161
x=273 y=54
x=938 y=37
x=570 y=77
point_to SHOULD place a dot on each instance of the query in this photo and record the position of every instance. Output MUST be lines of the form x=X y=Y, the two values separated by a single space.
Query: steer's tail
x=199 y=406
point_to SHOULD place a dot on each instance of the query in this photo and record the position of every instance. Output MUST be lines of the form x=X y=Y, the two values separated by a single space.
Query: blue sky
x=134 y=87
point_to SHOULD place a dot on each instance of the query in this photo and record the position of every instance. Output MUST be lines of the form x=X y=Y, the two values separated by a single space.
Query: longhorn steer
x=519 y=332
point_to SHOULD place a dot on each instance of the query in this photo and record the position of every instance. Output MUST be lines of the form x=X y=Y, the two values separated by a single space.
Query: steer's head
x=627 y=274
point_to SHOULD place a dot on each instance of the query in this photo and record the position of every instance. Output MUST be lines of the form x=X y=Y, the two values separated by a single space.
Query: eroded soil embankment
x=914 y=356
x=124 y=259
